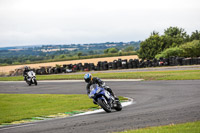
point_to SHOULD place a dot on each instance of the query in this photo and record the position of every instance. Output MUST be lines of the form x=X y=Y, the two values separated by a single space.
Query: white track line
x=101 y=110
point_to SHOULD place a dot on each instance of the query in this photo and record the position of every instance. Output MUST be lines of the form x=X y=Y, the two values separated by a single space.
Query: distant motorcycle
x=104 y=99
x=31 y=78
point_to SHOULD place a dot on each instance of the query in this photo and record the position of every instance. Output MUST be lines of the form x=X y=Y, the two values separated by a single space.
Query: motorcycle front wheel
x=35 y=81
x=104 y=105
x=29 y=83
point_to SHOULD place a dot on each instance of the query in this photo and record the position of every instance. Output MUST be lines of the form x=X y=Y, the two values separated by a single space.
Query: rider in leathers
x=25 y=73
x=94 y=80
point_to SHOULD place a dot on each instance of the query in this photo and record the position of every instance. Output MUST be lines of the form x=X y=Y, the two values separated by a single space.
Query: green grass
x=153 y=75
x=15 y=107
x=191 y=127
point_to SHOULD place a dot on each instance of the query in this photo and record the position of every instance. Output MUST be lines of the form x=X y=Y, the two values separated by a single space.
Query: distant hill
x=42 y=53
x=71 y=47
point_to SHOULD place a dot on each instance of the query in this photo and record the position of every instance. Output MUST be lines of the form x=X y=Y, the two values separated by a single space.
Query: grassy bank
x=191 y=127
x=155 y=75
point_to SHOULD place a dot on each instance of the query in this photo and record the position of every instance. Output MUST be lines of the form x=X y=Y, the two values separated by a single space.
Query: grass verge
x=15 y=107
x=153 y=75
x=190 y=127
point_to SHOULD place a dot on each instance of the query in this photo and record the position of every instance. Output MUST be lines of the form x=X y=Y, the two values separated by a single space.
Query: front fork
x=33 y=79
x=111 y=102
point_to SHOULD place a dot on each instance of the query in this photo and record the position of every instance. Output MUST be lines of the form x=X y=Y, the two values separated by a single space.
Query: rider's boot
x=116 y=98
x=111 y=92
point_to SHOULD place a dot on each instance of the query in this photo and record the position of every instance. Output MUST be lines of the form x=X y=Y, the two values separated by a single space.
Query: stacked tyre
x=124 y=64
x=114 y=64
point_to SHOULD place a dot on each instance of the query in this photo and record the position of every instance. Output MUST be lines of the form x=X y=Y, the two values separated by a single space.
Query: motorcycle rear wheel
x=119 y=106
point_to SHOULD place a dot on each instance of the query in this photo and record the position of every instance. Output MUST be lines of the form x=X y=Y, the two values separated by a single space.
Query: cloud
x=63 y=21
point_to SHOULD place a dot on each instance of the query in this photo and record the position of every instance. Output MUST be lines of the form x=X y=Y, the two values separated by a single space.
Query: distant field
x=6 y=69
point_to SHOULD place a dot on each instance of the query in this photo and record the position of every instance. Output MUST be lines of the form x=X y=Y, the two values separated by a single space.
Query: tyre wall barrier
x=119 y=64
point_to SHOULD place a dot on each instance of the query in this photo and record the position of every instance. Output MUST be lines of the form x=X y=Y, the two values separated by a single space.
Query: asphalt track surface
x=157 y=103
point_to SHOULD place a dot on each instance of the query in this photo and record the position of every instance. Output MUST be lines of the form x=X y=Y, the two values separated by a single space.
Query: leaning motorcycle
x=104 y=99
x=31 y=78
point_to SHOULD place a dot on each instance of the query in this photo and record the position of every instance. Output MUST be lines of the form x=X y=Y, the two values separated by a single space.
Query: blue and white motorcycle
x=104 y=99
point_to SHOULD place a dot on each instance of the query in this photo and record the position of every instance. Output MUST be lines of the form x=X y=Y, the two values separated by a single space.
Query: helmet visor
x=87 y=80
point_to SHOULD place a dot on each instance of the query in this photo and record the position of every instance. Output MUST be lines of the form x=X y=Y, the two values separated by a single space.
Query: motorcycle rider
x=94 y=80
x=25 y=73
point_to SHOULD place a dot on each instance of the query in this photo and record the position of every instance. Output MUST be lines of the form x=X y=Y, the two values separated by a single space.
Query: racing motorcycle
x=104 y=99
x=31 y=78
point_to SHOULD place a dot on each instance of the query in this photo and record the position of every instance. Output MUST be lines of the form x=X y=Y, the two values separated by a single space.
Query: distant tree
x=80 y=54
x=191 y=49
x=62 y=56
x=113 y=50
x=9 y=61
x=154 y=33
x=110 y=50
x=174 y=36
x=175 y=32
x=129 y=48
x=91 y=52
x=150 y=47
x=195 y=35
x=106 y=51
x=155 y=44
x=120 y=53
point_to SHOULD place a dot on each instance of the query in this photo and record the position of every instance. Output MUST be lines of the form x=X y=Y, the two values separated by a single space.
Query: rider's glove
x=103 y=85
x=106 y=87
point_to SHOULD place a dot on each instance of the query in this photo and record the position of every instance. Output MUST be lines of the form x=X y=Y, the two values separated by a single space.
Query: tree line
x=174 y=42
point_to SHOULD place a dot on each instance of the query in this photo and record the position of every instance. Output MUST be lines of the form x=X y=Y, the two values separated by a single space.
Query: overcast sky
x=33 y=22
